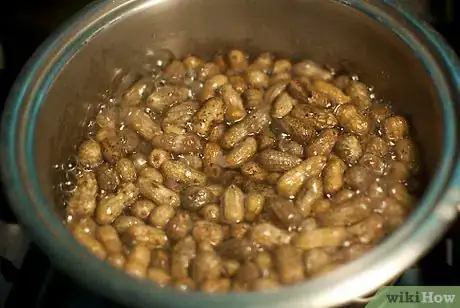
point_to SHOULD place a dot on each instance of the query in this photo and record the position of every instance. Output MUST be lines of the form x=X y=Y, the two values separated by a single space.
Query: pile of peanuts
x=241 y=174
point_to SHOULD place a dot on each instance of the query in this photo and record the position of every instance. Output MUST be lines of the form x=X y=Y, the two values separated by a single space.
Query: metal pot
x=408 y=63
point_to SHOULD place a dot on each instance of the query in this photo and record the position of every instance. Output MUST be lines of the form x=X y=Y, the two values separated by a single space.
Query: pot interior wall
x=325 y=31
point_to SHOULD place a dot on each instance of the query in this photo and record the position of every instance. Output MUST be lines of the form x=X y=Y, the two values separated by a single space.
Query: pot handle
x=14 y=243
x=14 y=240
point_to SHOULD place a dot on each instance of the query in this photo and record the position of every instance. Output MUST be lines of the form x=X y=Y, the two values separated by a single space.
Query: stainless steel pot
x=406 y=61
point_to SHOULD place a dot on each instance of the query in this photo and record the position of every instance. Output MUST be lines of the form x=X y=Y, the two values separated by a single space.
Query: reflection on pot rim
x=325 y=291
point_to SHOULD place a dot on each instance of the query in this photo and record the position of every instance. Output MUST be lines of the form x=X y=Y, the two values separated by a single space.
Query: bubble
x=71 y=164
x=92 y=128
x=122 y=81
x=68 y=187
x=160 y=57
x=195 y=88
x=161 y=82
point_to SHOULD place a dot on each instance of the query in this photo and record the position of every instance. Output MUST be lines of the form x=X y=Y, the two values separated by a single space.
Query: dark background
x=25 y=24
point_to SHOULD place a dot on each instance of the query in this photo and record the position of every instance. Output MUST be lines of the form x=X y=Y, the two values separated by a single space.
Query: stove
x=27 y=279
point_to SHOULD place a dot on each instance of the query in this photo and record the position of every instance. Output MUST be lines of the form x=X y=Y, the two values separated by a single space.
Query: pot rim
x=435 y=212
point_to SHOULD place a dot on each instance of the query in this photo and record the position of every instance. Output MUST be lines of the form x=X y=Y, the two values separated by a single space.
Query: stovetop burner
x=28 y=280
